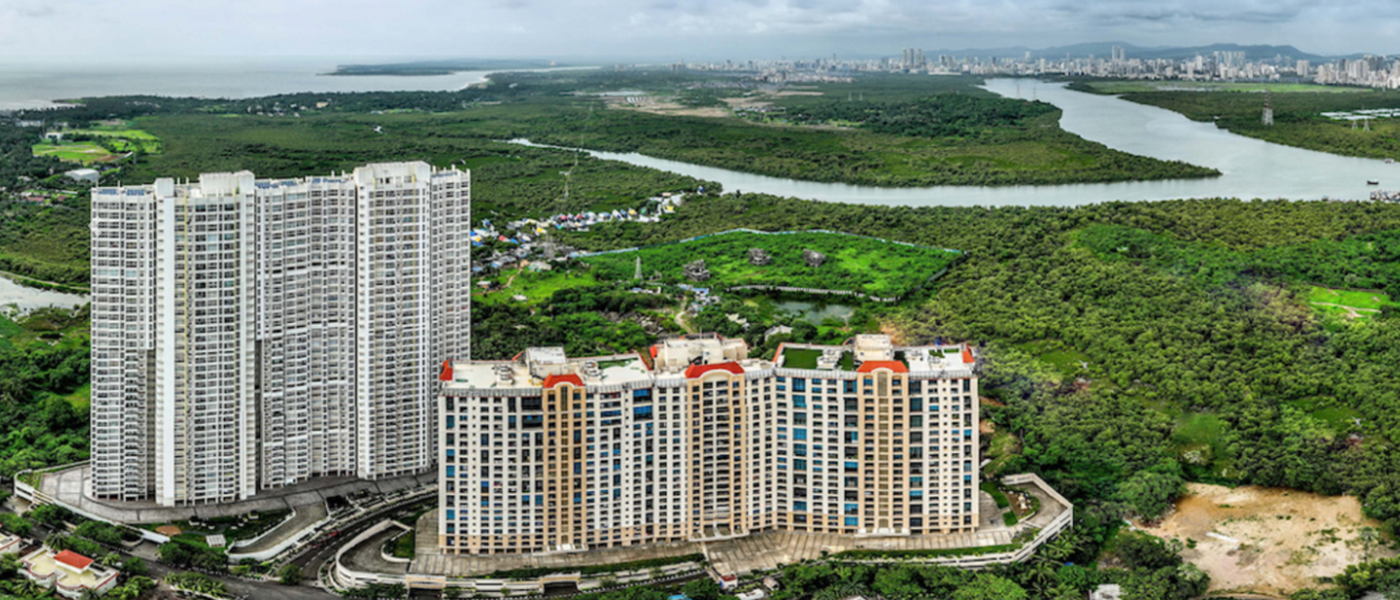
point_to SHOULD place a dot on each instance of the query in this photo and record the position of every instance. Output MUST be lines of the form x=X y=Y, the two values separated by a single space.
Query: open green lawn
x=1332 y=301
x=1067 y=361
x=537 y=287
x=852 y=263
x=126 y=139
x=1119 y=87
x=403 y=546
x=800 y=358
x=48 y=327
x=81 y=398
x=1203 y=435
x=79 y=152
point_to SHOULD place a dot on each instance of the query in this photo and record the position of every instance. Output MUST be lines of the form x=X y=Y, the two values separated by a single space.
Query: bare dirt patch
x=664 y=106
x=1268 y=540
x=891 y=329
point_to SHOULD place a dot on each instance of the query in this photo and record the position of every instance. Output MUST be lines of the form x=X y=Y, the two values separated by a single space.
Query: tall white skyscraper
x=251 y=334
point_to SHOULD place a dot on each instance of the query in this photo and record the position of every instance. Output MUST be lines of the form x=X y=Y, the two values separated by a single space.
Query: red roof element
x=446 y=371
x=73 y=559
x=967 y=355
x=554 y=380
x=695 y=371
x=869 y=366
x=653 y=351
x=779 y=352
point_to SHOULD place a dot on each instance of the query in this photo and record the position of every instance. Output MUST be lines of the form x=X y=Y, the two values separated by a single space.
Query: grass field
x=1067 y=361
x=50 y=327
x=1202 y=433
x=403 y=546
x=79 y=152
x=126 y=140
x=853 y=263
x=1120 y=87
x=1354 y=304
x=81 y=398
x=537 y=287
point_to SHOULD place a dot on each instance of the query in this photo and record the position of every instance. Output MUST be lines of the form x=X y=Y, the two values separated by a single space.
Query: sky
x=667 y=30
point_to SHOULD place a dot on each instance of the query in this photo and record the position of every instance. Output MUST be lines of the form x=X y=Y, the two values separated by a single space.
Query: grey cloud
x=648 y=28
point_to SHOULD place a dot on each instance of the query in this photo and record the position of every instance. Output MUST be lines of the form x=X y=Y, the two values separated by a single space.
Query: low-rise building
x=68 y=573
x=85 y=175
x=10 y=544
x=694 y=440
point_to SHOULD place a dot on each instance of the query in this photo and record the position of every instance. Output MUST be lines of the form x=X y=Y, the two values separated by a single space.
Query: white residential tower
x=251 y=334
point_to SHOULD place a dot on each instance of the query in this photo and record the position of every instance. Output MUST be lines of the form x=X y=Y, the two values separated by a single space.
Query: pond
x=815 y=312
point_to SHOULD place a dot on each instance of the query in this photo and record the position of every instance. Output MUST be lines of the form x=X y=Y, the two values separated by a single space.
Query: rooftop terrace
x=521 y=373
x=870 y=354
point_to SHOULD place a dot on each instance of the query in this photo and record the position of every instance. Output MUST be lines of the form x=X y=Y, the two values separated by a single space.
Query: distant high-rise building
x=1303 y=68
x=251 y=334
x=1119 y=54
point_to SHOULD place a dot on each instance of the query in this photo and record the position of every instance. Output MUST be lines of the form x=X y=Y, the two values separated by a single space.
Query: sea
x=39 y=83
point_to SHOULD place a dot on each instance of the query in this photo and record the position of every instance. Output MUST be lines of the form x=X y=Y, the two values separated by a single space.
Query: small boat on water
x=1369 y=182
x=1389 y=161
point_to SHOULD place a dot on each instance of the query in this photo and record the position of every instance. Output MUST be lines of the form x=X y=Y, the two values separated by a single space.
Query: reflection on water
x=814 y=313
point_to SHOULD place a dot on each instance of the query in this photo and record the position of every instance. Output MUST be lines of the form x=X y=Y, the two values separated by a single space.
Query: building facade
x=698 y=441
x=251 y=334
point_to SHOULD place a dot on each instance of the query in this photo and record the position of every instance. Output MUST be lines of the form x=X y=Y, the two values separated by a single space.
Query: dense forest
x=306 y=132
x=1226 y=336
x=940 y=116
x=44 y=372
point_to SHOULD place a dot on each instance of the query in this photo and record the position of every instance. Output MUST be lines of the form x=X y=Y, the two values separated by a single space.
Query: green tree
x=1150 y=493
x=990 y=587
x=289 y=574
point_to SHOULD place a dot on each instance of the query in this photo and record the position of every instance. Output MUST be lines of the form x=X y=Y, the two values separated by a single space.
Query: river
x=28 y=298
x=1250 y=168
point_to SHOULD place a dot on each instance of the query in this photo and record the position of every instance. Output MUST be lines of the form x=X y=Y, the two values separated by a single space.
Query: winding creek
x=1250 y=168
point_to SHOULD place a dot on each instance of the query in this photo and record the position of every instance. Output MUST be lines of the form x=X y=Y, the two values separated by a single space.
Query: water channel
x=28 y=298
x=1250 y=168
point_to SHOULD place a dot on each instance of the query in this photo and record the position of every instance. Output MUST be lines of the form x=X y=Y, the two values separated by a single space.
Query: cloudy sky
x=670 y=29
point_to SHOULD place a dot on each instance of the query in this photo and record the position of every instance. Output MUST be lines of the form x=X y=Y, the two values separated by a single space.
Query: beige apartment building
x=695 y=440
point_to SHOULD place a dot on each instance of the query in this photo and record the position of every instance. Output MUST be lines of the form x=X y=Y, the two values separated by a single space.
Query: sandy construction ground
x=1267 y=540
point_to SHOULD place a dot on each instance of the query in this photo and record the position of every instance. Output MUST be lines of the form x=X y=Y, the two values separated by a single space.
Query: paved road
x=312 y=560
x=256 y=590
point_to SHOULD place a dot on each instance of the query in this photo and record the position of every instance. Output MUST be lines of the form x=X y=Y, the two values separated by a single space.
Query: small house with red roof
x=68 y=573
